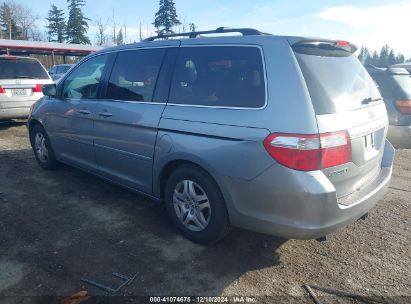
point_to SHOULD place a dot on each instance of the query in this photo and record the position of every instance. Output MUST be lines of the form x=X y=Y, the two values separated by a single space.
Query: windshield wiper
x=369 y=100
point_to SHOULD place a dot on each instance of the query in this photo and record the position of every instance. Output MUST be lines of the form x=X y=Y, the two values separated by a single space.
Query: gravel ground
x=57 y=227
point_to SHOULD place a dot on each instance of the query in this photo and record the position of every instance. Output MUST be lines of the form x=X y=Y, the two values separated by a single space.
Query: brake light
x=404 y=106
x=2 y=90
x=342 y=43
x=310 y=152
x=38 y=88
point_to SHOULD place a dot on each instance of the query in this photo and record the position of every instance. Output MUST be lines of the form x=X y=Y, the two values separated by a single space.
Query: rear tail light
x=2 y=90
x=38 y=88
x=404 y=106
x=310 y=152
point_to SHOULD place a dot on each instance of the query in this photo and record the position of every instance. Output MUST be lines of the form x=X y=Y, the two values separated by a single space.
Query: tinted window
x=394 y=86
x=63 y=68
x=22 y=69
x=84 y=81
x=135 y=74
x=219 y=76
x=336 y=82
x=404 y=85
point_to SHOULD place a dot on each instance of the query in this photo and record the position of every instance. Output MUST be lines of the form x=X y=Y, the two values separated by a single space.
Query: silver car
x=280 y=135
x=21 y=83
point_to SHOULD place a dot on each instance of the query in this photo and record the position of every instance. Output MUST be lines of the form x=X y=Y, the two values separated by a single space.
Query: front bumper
x=399 y=136
x=300 y=205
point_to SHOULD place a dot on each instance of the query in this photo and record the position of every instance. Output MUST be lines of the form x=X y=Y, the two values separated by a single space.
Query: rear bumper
x=399 y=136
x=14 y=113
x=300 y=205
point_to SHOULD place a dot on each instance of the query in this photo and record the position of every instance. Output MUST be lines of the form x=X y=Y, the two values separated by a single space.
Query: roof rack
x=220 y=30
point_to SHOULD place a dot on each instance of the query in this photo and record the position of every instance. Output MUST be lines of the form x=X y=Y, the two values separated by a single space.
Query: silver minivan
x=280 y=135
x=21 y=83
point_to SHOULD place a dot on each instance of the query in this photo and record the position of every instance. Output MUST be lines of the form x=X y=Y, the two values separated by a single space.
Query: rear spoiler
x=326 y=44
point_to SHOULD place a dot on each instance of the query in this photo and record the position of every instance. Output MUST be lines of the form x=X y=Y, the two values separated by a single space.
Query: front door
x=71 y=118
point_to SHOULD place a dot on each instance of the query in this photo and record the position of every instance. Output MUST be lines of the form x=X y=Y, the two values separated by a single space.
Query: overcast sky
x=372 y=23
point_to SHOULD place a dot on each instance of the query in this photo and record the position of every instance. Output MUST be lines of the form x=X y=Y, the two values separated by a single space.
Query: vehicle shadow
x=6 y=124
x=63 y=225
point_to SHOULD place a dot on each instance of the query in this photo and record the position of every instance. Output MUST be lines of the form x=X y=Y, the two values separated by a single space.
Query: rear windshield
x=21 y=69
x=336 y=81
x=404 y=84
x=393 y=86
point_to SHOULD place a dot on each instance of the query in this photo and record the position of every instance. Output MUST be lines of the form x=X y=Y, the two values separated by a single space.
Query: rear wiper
x=369 y=100
x=27 y=77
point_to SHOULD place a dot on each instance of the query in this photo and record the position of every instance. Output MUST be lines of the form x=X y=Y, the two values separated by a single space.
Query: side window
x=222 y=76
x=135 y=74
x=84 y=81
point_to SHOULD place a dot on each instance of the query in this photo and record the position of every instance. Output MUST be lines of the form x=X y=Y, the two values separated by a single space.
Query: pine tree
x=364 y=55
x=57 y=24
x=166 y=17
x=119 y=38
x=391 y=58
x=400 y=58
x=77 y=23
x=383 y=59
x=192 y=27
x=9 y=28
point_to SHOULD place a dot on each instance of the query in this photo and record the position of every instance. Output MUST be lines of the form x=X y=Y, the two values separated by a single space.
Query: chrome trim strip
x=129 y=154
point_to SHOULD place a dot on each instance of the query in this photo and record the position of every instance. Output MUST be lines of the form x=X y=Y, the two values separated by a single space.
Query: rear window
x=336 y=81
x=404 y=85
x=221 y=76
x=21 y=69
x=393 y=86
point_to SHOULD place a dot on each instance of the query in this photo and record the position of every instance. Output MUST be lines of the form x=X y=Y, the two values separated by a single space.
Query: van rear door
x=345 y=98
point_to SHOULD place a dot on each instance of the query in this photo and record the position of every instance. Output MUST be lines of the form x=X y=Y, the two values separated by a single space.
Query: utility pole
x=10 y=29
x=140 y=33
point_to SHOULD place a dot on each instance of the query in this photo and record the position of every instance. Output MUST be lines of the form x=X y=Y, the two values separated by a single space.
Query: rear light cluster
x=2 y=90
x=404 y=106
x=310 y=152
x=38 y=88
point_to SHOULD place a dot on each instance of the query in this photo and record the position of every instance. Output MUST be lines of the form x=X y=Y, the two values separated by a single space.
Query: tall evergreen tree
x=77 y=23
x=9 y=28
x=166 y=17
x=391 y=58
x=57 y=24
x=119 y=37
x=383 y=59
x=192 y=27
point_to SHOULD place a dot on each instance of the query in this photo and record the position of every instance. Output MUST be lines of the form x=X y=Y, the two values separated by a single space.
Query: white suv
x=21 y=83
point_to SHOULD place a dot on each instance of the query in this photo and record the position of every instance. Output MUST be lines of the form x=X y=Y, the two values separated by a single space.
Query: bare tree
x=101 y=29
x=25 y=20
x=114 y=27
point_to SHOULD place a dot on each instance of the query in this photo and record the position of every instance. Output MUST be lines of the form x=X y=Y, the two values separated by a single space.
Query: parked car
x=57 y=71
x=21 y=83
x=405 y=65
x=280 y=135
x=395 y=87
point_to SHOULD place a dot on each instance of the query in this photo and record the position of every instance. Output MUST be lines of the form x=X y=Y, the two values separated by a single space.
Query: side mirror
x=50 y=90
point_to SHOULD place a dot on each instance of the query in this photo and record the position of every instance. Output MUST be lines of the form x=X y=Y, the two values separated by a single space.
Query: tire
x=42 y=148
x=195 y=205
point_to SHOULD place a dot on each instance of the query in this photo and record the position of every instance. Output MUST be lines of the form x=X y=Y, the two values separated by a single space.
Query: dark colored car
x=395 y=87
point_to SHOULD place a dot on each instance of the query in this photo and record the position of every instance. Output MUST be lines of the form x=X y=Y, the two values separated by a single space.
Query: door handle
x=105 y=114
x=84 y=112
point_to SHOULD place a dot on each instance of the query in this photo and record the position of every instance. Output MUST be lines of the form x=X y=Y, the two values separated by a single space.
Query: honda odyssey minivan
x=280 y=135
x=21 y=83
